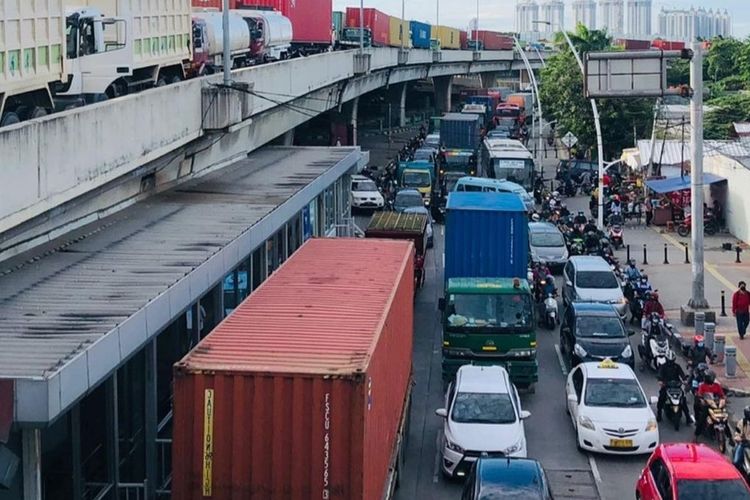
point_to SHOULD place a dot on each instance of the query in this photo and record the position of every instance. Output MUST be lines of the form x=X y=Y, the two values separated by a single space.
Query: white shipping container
x=32 y=45
x=160 y=28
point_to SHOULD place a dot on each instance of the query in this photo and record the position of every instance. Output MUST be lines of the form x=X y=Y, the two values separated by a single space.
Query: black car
x=592 y=332
x=492 y=478
x=576 y=169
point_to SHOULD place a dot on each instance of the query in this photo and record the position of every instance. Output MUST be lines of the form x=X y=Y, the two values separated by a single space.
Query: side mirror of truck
x=441 y=304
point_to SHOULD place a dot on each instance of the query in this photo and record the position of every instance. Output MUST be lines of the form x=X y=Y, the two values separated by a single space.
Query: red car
x=687 y=471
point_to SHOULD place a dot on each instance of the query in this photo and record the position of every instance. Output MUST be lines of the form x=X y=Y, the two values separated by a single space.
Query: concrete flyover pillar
x=524 y=80
x=489 y=79
x=355 y=113
x=32 y=464
x=288 y=139
x=402 y=105
x=443 y=87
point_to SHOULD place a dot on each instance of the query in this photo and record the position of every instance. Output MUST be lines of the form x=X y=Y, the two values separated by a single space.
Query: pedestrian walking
x=740 y=308
x=648 y=205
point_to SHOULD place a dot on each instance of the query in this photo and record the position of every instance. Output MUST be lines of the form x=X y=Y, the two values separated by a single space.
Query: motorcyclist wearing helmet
x=632 y=272
x=670 y=372
x=652 y=306
x=535 y=217
x=615 y=207
x=741 y=439
x=549 y=286
x=580 y=218
x=698 y=352
x=590 y=227
x=708 y=386
x=642 y=286
x=564 y=212
x=591 y=241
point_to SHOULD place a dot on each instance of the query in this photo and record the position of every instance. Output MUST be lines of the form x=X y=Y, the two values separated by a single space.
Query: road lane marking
x=563 y=368
x=597 y=476
x=442 y=230
x=436 y=470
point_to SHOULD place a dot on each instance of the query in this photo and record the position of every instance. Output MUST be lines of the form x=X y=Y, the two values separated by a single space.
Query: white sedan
x=609 y=410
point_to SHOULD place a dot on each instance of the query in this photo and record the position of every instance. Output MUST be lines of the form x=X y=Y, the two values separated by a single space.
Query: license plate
x=621 y=443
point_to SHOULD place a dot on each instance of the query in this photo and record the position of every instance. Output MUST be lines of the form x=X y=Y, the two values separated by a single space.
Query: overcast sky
x=500 y=14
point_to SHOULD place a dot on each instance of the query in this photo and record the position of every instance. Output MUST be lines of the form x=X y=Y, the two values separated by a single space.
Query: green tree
x=678 y=72
x=722 y=59
x=718 y=123
x=562 y=96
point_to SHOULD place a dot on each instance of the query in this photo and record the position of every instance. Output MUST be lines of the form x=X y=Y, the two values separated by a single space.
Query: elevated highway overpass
x=71 y=168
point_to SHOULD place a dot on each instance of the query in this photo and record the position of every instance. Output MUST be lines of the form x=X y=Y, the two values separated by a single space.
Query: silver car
x=547 y=243
x=588 y=278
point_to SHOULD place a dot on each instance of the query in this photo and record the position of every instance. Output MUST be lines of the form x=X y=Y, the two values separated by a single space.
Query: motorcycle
x=709 y=226
x=551 y=314
x=674 y=402
x=697 y=376
x=716 y=420
x=615 y=232
x=653 y=350
x=744 y=465
x=576 y=246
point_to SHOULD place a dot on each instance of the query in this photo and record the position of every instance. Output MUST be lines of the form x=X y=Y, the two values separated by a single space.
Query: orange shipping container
x=397 y=27
x=302 y=391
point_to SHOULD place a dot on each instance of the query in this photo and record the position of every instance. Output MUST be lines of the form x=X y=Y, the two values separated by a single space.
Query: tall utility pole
x=403 y=18
x=476 y=31
x=227 y=49
x=698 y=300
x=361 y=26
x=535 y=87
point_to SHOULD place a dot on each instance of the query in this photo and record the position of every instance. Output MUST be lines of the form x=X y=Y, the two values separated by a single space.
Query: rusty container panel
x=299 y=393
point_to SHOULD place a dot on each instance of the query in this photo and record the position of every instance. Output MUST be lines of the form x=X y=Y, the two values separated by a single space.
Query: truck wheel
x=9 y=118
x=161 y=82
x=33 y=112
x=175 y=79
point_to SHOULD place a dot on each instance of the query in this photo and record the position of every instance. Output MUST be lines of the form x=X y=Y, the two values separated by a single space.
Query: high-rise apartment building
x=584 y=12
x=639 y=18
x=689 y=25
x=553 y=12
x=612 y=16
x=527 y=14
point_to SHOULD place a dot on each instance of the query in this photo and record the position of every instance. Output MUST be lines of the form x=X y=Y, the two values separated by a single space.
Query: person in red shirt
x=653 y=305
x=741 y=308
x=708 y=386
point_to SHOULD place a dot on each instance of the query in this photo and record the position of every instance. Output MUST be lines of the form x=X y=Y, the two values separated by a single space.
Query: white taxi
x=609 y=409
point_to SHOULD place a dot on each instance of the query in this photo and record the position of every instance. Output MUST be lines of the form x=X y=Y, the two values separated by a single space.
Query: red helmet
x=655 y=296
x=698 y=340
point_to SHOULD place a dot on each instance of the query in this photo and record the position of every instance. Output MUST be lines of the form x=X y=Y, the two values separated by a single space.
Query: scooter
x=551 y=314
x=674 y=402
x=576 y=246
x=709 y=226
x=717 y=420
x=615 y=233
x=653 y=351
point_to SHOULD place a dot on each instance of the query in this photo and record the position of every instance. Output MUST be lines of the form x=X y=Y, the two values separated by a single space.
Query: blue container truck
x=461 y=131
x=489 y=102
x=487 y=307
x=420 y=35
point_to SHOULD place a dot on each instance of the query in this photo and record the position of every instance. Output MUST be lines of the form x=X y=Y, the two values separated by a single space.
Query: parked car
x=592 y=331
x=423 y=210
x=492 y=478
x=577 y=169
x=482 y=415
x=677 y=471
x=365 y=194
x=588 y=278
x=406 y=198
x=547 y=243
x=609 y=410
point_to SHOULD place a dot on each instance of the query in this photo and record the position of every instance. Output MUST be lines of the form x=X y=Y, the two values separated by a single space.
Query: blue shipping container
x=486 y=236
x=460 y=131
x=420 y=34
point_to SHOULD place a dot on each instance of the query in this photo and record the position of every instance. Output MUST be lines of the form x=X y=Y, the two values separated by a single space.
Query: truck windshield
x=508 y=113
x=417 y=178
x=480 y=310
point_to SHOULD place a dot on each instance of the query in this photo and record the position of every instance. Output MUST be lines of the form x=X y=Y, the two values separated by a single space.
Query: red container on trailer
x=667 y=45
x=378 y=23
x=301 y=391
x=312 y=20
x=463 y=37
x=492 y=40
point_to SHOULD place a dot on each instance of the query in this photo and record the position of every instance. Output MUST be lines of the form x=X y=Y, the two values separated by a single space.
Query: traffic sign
x=569 y=140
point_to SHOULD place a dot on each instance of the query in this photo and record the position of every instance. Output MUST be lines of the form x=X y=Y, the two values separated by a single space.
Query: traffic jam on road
x=512 y=262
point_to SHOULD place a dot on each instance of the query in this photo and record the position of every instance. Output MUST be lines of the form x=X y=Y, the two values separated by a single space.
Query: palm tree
x=584 y=39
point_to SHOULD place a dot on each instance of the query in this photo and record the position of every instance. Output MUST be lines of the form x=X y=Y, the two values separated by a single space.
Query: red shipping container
x=301 y=391
x=312 y=20
x=463 y=37
x=629 y=44
x=492 y=40
x=667 y=45
x=377 y=22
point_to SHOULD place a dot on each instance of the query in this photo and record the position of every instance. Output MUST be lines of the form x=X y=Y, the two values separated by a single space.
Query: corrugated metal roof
x=321 y=312
x=96 y=297
x=675 y=150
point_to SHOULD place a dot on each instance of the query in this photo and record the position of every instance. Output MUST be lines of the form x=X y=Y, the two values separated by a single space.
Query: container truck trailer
x=487 y=309
x=377 y=23
x=85 y=54
x=208 y=43
x=304 y=390
x=489 y=40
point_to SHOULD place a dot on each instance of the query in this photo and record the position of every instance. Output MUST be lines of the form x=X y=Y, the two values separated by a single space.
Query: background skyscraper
x=612 y=16
x=527 y=13
x=690 y=24
x=584 y=12
x=639 y=18
x=553 y=12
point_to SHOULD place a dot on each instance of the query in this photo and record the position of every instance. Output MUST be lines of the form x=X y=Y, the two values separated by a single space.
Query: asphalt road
x=549 y=431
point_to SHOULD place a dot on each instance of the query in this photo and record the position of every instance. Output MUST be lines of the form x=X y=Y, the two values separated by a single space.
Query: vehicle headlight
x=513 y=449
x=627 y=352
x=651 y=425
x=586 y=423
x=580 y=351
x=453 y=446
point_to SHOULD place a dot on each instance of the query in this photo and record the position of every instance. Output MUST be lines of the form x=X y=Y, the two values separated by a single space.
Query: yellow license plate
x=621 y=443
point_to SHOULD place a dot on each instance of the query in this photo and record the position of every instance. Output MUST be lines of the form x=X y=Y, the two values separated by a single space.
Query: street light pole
x=535 y=87
x=227 y=49
x=361 y=26
x=597 y=124
x=403 y=17
x=698 y=300
x=476 y=31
